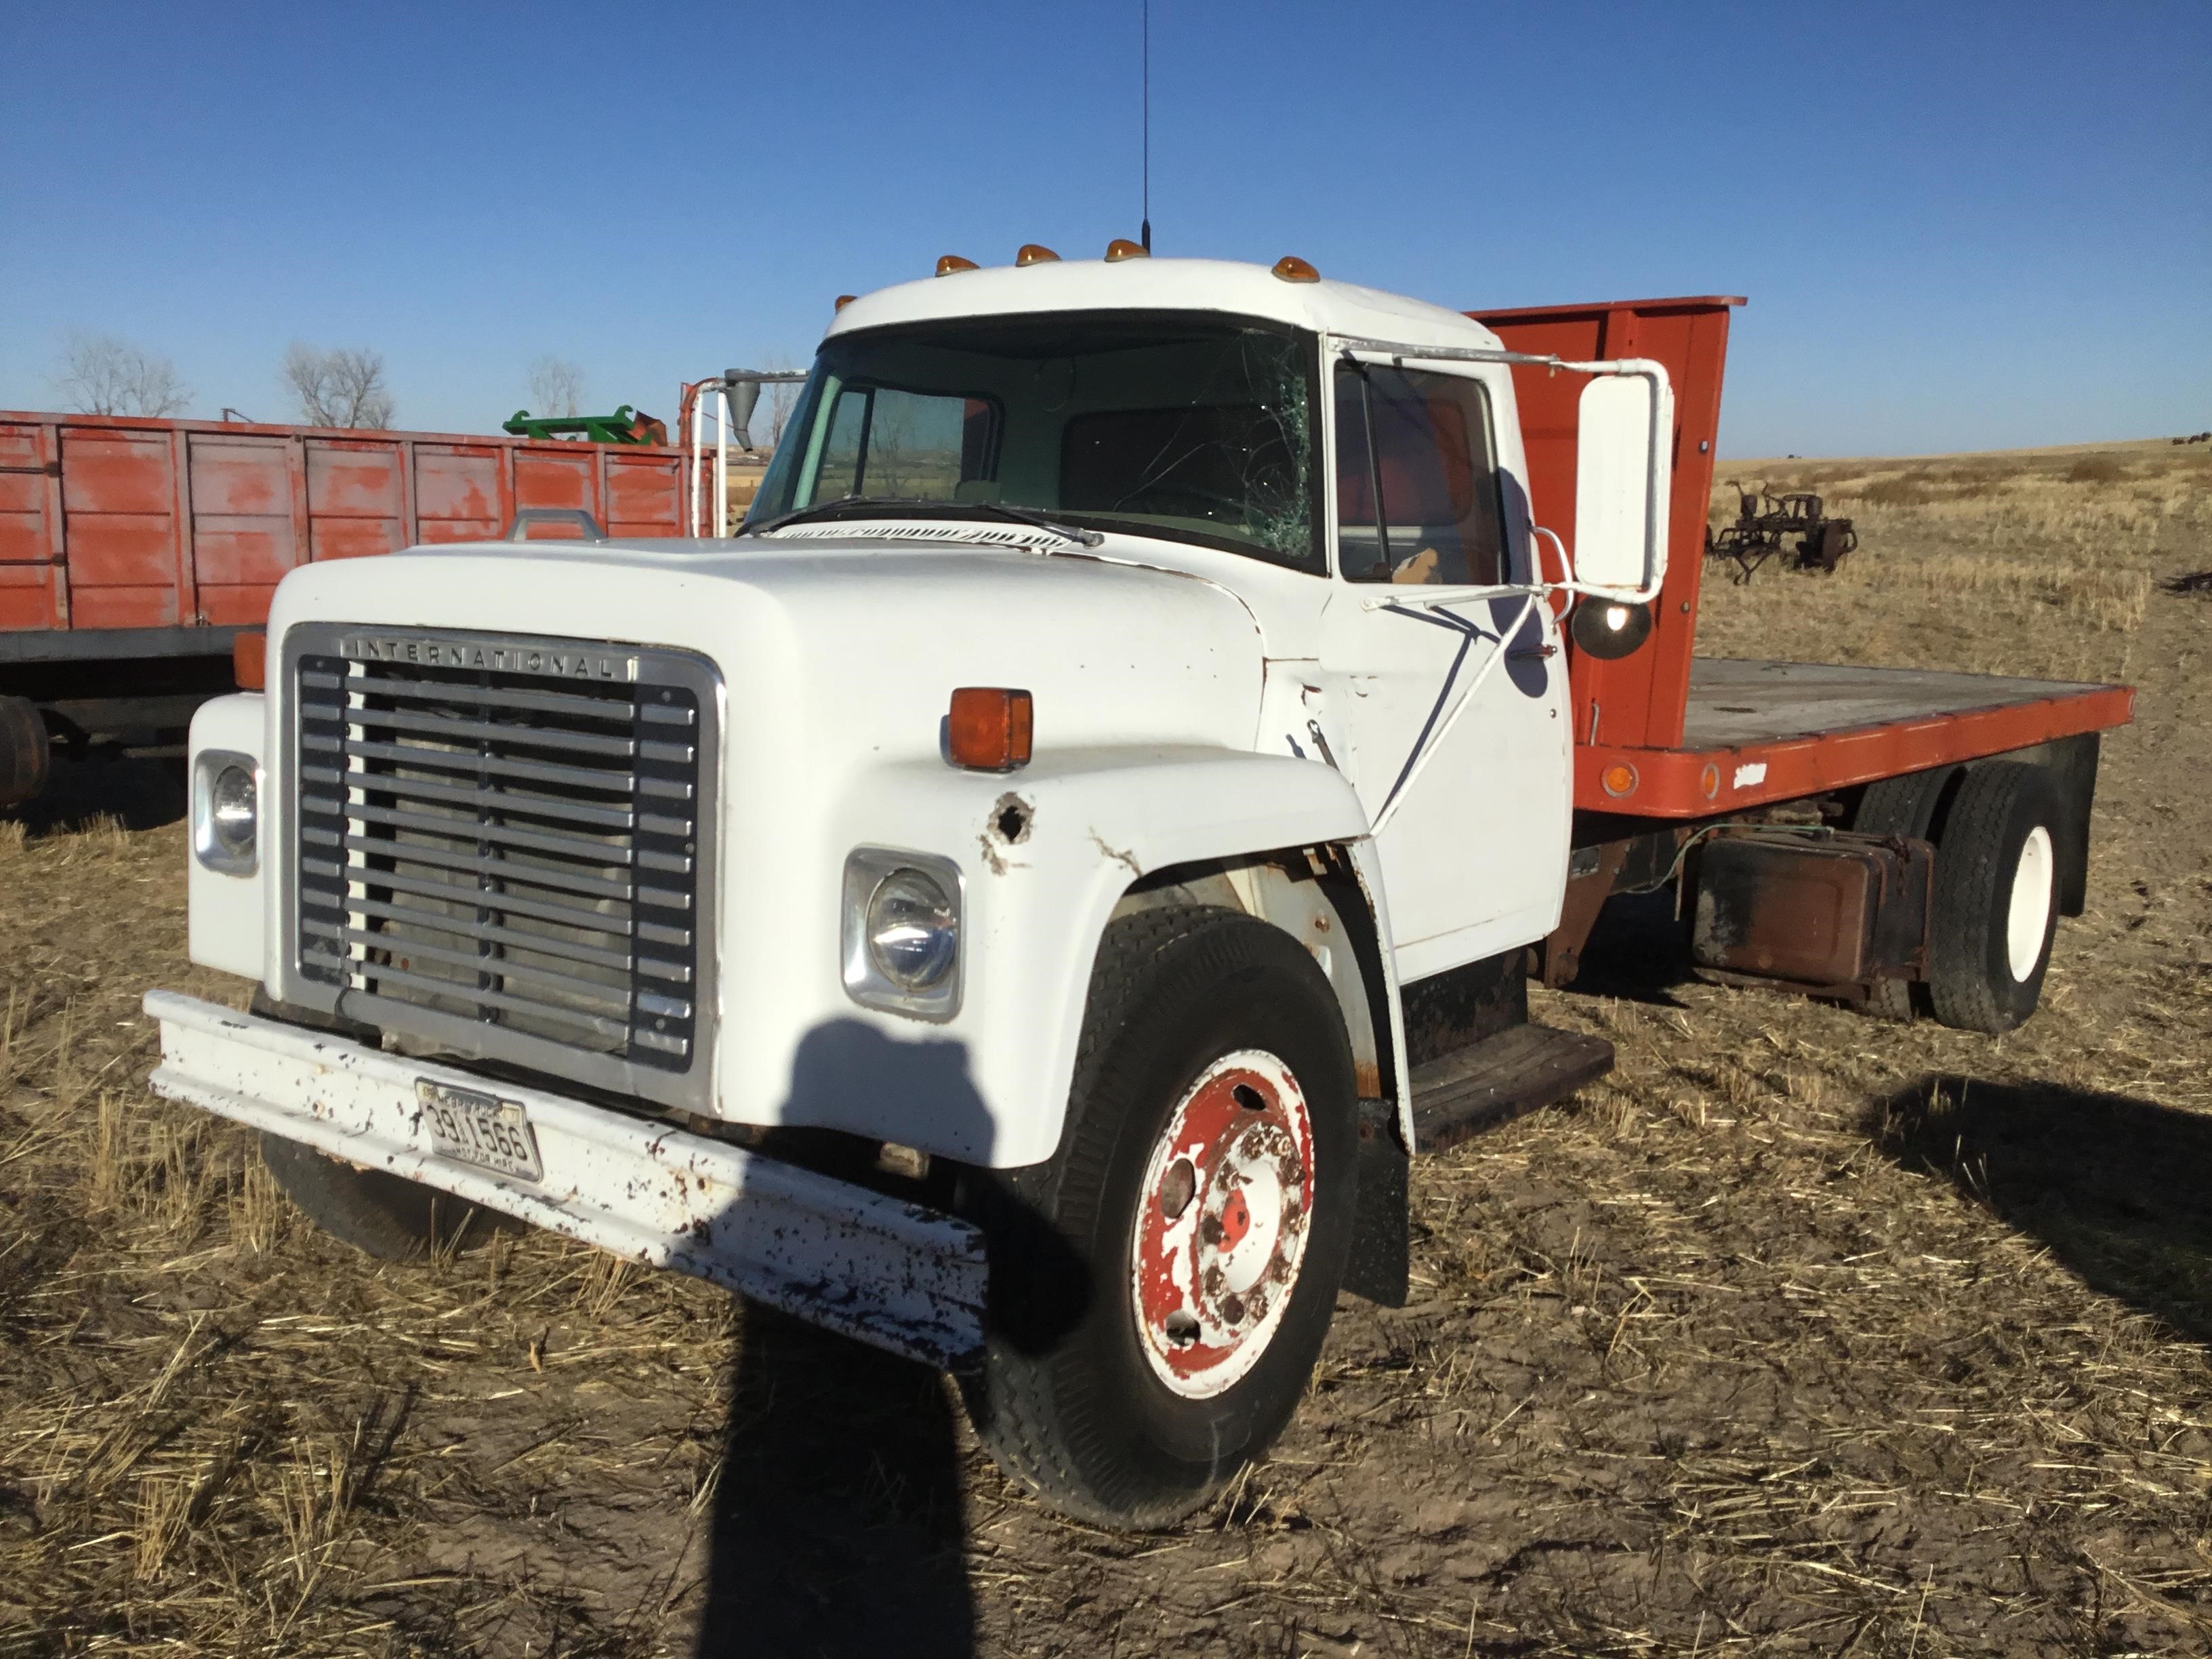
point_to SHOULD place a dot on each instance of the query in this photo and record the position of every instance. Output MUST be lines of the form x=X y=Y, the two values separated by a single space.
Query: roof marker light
x=1035 y=254
x=953 y=262
x=844 y=300
x=1291 y=268
x=1122 y=248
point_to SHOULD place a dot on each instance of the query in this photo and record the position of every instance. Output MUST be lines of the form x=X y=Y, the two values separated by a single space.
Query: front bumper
x=891 y=1274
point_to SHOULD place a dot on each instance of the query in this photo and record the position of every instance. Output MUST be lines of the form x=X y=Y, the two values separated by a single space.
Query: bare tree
x=103 y=376
x=782 y=397
x=556 y=386
x=338 y=387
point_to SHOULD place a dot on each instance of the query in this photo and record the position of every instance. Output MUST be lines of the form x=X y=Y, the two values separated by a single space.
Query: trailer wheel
x=25 y=752
x=1197 y=1213
x=1904 y=806
x=1996 y=893
x=378 y=1214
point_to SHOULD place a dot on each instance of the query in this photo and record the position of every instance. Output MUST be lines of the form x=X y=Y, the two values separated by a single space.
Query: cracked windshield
x=1196 y=430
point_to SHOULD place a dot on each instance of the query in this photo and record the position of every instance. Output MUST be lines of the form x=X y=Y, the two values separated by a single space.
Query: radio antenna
x=1147 y=233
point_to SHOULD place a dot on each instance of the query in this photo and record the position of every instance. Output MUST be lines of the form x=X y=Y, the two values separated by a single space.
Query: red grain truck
x=134 y=552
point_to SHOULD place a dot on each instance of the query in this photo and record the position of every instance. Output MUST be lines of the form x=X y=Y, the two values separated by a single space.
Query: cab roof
x=1223 y=285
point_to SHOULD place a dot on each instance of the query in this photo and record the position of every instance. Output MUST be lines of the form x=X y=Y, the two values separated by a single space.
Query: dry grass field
x=1801 y=1334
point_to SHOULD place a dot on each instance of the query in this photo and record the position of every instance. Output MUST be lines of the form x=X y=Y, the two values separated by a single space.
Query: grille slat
x=455 y=732
x=566 y=777
x=483 y=841
x=476 y=831
x=484 y=796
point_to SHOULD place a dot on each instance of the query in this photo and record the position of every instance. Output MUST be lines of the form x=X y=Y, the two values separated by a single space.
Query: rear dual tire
x=1996 y=899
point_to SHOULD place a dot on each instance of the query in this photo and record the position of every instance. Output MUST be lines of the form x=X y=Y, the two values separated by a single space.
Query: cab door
x=1443 y=674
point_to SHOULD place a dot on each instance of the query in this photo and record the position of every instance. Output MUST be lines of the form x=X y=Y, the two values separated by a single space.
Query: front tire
x=1996 y=897
x=1199 y=1212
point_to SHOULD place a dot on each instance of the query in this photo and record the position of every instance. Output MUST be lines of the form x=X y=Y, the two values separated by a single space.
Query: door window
x=1417 y=497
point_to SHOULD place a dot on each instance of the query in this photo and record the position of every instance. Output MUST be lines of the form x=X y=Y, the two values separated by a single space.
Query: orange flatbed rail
x=1662 y=733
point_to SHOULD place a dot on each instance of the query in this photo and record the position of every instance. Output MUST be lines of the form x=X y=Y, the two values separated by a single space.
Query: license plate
x=480 y=1129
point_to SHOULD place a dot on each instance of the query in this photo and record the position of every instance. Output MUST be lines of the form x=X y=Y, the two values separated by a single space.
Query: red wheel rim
x=1221 y=1225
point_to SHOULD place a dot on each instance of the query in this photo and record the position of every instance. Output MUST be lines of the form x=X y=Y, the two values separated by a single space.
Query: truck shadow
x=837 y=1527
x=2119 y=1188
x=1636 y=952
x=138 y=793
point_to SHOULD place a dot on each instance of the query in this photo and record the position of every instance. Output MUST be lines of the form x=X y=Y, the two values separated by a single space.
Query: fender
x=1046 y=855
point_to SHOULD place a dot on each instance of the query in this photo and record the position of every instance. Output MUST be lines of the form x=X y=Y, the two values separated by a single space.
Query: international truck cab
x=1021 y=900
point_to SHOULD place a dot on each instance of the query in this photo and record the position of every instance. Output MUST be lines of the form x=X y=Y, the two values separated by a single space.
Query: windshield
x=1199 y=429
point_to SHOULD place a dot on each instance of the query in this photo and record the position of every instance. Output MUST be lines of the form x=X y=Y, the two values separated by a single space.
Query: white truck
x=1021 y=900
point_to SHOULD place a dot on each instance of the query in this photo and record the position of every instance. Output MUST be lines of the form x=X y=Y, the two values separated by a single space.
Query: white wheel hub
x=1220 y=1230
x=2027 y=913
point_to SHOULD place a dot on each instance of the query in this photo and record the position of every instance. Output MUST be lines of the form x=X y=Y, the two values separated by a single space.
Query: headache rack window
x=502 y=847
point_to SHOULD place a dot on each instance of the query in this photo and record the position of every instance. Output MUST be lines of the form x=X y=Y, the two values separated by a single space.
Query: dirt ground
x=1802 y=1332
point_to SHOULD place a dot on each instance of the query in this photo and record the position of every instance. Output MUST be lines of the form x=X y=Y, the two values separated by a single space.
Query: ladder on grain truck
x=728 y=399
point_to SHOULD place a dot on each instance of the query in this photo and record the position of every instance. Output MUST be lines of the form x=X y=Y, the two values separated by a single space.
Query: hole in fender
x=1011 y=816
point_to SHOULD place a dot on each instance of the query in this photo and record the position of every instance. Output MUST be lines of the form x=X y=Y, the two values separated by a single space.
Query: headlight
x=902 y=932
x=226 y=811
x=913 y=930
x=233 y=807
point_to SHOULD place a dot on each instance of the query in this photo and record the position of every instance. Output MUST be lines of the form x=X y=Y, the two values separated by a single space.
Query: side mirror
x=1622 y=474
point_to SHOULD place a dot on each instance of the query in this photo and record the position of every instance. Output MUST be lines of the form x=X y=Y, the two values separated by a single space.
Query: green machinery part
x=624 y=426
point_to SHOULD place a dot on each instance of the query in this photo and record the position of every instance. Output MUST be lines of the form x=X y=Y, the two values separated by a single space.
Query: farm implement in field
x=1765 y=522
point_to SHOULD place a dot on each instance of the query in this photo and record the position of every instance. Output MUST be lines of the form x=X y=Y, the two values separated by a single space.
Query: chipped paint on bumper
x=894 y=1274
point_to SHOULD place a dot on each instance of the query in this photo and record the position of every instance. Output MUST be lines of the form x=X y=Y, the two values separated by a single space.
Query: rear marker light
x=1618 y=779
x=989 y=728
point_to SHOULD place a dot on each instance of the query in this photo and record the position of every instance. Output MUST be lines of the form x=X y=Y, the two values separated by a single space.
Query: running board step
x=1500 y=1077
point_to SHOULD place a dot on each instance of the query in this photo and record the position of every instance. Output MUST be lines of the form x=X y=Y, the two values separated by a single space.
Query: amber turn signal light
x=1618 y=779
x=953 y=262
x=1122 y=248
x=249 y=660
x=1035 y=254
x=1291 y=268
x=989 y=728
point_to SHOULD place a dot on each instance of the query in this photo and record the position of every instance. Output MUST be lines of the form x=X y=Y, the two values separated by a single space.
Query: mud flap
x=1377 y=1268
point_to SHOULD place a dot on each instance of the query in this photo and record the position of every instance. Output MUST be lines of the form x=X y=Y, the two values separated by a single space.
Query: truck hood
x=855 y=642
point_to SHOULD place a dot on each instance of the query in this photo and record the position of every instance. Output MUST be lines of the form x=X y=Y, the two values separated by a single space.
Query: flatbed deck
x=1755 y=731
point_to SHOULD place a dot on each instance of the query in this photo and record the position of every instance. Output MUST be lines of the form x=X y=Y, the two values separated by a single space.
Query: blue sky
x=1966 y=226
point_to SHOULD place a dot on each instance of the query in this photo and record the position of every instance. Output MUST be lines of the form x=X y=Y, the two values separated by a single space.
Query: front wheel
x=1197 y=1215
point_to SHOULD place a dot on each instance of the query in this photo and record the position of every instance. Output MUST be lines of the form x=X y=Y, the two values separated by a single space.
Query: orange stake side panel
x=1638 y=717
x=1637 y=700
x=118 y=522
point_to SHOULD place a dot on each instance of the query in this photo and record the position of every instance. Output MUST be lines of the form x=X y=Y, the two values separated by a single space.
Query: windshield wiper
x=956 y=510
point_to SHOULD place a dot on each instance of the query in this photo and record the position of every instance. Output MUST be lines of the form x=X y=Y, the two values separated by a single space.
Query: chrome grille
x=503 y=845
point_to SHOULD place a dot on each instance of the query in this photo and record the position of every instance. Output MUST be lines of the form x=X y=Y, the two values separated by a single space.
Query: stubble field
x=1801 y=1332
